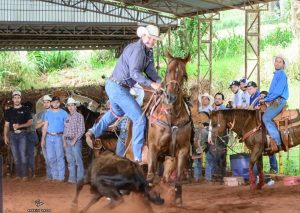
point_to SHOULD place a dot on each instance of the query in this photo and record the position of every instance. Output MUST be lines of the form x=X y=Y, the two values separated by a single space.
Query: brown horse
x=170 y=125
x=246 y=124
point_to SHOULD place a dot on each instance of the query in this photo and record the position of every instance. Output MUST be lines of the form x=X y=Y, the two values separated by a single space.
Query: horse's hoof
x=259 y=186
x=178 y=202
x=74 y=208
x=252 y=187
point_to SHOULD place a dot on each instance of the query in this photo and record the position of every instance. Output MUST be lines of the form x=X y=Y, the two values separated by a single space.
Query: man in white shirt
x=238 y=93
x=246 y=95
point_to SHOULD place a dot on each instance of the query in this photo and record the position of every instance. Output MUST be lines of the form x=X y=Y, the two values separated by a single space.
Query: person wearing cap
x=17 y=120
x=52 y=133
x=74 y=129
x=254 y=94
x=205 y=103
x=246 y=95
x=277 y=97
x=135 y=65
x=39 y=124
x=238 y=93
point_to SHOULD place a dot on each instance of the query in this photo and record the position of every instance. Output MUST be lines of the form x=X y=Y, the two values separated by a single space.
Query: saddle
x=285 y=120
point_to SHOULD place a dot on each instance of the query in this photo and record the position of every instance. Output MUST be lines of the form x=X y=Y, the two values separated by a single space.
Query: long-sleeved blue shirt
x=279 y=86
x=254 y=99
x=136 y=64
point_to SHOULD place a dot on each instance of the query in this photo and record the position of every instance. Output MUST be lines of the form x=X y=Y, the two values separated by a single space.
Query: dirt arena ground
x=56 y=197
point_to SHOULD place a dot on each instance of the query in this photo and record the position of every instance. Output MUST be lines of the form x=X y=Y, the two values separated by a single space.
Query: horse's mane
x=240 y=114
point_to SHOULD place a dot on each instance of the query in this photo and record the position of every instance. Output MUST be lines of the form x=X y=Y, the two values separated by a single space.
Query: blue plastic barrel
x=239 y=164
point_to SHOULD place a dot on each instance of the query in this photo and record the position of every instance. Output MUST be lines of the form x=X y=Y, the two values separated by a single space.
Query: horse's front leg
x=255 y=154
x=259 y=164
x=181 y=165
x=152 y=162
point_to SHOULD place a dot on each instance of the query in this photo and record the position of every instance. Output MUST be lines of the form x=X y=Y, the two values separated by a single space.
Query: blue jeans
x=48 y=170
x=31 y=141
x=74 y=158
x=268 y=116
x=18 y=145
x=122 y=102
x=197 y=165
x=122 y=126
x=55 y=156
x=273 y=163
x=209 y=165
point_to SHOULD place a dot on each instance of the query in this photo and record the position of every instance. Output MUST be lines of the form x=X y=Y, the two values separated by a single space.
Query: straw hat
x=286 y=62
x=211 y=99
x=46 y=98
x=150 y=30
x=72 y=101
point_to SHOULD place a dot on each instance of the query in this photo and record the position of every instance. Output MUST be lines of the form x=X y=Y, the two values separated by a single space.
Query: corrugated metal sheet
x=190 y=7
x=37 y=11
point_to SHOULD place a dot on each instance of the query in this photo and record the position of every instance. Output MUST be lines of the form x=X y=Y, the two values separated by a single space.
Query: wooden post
x=280 y=163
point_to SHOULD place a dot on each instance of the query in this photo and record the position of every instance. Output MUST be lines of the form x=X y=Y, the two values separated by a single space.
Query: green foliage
x=279 y=37
x=228 y=47
x=101 y=58
x=290 y=167
x=53 y=60
x=16 y=71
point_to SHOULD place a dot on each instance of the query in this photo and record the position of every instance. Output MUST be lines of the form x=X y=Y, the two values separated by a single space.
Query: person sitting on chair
x=277 y=96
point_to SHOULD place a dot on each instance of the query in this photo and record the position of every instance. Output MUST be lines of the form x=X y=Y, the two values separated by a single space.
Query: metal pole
x=246 y=40
x=198 y=49
x=258 y=52
x=210 y=55
x=280 y=164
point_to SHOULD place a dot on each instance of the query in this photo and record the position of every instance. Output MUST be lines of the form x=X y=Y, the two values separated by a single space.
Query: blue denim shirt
x=254 y=98
x=279 y=86
x=135 y=63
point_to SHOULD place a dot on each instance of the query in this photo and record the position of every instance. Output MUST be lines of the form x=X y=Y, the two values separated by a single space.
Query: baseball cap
x=251 y=84
x=234 y=83
x=244 y=80
x=16 y=93
x=55 y=98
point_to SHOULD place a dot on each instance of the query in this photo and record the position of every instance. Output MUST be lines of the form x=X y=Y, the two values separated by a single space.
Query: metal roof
x=92 y=24
x=182 y=8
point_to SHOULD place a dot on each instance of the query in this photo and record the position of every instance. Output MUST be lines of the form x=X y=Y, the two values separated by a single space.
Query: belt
x=69 y=138
x=119 y=83
x=18 y=131
x=54 y=133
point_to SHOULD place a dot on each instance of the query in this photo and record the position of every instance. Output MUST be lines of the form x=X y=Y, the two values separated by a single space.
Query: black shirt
x=17 y=116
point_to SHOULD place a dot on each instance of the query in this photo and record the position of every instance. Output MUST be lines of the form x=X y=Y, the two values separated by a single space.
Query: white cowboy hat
x=286 y=62
x=46 y=98
x=211 y=99
x=150 y=30
x=72 y=101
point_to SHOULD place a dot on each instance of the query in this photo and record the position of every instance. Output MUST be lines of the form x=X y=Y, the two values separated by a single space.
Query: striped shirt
x=74 y=126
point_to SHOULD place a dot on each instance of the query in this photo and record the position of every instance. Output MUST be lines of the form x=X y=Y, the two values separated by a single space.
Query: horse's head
x=175 y=77
x=233 y=119
x=217 y=125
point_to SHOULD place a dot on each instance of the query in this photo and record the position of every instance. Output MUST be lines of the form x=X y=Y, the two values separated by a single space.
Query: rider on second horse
x=277 y=96
x=135 y=61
